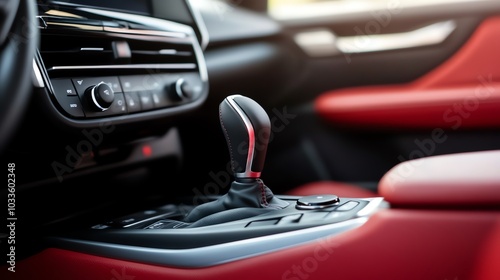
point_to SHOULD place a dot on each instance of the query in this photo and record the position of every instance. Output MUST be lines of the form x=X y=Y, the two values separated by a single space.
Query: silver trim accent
x=128 y=66
x=371 y=207
x=161 y=24
x=216 y=254
x=167 y=51
x=323 y=42
x=317 y=42
x=433 y=34
x=145 y=32
x=178 y=89
x=251 y=140
x=37 y=76
x=205 y=37
x=314 y=207
x=92 y=49
x=92 y=94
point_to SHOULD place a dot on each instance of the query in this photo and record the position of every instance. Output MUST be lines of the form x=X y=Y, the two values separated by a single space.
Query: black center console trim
x=216 y=254
x=222 y=243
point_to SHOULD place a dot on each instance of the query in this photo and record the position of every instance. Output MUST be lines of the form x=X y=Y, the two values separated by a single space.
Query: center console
x=248 y=220
x=103 y=67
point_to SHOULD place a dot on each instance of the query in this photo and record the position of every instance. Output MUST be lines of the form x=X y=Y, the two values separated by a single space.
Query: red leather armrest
x=466 y=179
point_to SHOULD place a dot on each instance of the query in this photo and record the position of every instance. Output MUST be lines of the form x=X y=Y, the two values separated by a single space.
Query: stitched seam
x=227 y=139
x=262 y=193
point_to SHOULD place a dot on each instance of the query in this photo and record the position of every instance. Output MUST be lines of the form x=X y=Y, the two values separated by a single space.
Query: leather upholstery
x=332 y=187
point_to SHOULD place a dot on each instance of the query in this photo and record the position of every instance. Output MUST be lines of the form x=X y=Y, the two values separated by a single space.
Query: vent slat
x=63 y=50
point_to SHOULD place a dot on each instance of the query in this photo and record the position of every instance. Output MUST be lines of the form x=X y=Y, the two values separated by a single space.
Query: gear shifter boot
x=241 y=195
x=247 y=128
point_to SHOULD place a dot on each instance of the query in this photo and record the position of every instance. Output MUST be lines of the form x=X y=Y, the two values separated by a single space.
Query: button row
x=132 y=94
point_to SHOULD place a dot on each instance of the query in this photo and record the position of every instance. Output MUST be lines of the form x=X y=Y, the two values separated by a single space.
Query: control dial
x=101 y=96
x=182 y=90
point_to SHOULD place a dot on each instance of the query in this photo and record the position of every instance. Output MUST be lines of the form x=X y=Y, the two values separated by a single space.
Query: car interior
x=237 y=139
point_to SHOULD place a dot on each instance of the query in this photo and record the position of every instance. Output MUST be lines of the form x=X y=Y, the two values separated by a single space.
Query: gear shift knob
x=247 y=129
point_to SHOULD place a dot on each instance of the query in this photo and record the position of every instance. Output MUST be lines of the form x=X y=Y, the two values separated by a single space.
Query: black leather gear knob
x=247 y=129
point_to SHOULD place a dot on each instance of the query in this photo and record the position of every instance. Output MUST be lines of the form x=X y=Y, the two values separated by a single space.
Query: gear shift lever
x=247 y=129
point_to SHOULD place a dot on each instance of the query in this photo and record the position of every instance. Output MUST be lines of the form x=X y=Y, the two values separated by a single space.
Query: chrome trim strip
x=178 y=89
x=128 y=66
x=314 y=207
x=433 y=34
x=371 y=207
x=161 y=24
x=37 y=76
x=251 y=140
x=145 y=32
x=205 y=37
x=216 y=254
x=92 y=49
x=323 y=42
x=317 y=42
x=94 y=99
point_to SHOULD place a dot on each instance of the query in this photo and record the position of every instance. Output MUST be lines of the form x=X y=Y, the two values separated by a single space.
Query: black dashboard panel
x=133 y=6
x=152 y=70
x=104 y=65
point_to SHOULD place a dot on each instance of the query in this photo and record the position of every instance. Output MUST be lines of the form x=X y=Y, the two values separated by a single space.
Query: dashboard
x=105 y=67
x=180 y=11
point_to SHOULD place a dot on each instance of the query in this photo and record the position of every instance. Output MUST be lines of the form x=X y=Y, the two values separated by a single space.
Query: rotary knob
x=182 y=90
x=101 y=96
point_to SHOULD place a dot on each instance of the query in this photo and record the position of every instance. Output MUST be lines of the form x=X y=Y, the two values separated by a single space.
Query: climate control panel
x=107 y=96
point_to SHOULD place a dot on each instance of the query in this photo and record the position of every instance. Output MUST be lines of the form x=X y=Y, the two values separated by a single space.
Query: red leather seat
x=332 y=187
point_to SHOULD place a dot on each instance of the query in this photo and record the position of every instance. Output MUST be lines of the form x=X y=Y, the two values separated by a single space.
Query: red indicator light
x=147 y=151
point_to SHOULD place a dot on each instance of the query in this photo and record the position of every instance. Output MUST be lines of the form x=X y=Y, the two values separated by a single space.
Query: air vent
x=61 y=52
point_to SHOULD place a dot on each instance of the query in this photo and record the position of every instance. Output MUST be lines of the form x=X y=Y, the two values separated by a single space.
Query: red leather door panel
x=464 y=92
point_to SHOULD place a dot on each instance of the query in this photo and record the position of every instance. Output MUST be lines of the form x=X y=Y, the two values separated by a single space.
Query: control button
x=347 y=206
x=146 y=100
x=118 y=107
x=63 y=87
x=133 y=102
x=188 y=87
x=317 y=202
x=71 y=105
x=66 y=97
x=263 y=223
x=167 y=224
x=160 y=99
x=183 y=89
x=101 y=96
x=141 y=82
x=83 y=83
